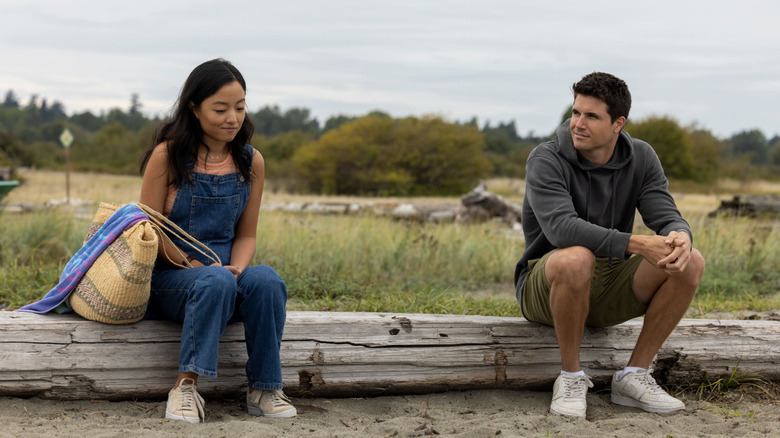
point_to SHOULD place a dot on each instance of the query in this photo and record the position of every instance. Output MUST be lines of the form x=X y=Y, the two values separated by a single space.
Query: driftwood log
x=477 y=205
x=360 y=354
x=482 y=204
x=417 y=211
x=750 y=206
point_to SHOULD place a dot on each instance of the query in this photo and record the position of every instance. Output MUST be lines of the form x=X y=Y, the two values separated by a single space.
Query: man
x=583 y=266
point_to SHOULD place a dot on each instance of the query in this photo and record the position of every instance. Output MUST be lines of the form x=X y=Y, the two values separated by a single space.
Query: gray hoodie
x=570 y=201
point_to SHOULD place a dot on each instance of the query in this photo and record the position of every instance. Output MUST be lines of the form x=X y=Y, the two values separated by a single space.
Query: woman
x=201 y=173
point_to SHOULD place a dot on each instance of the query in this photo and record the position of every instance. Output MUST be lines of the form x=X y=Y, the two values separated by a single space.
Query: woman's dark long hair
x=182 y=132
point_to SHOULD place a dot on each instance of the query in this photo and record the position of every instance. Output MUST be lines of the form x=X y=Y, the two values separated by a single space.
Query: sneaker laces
x=278 y=399
x=646 y=380
x=576 y=386
x=188 y=396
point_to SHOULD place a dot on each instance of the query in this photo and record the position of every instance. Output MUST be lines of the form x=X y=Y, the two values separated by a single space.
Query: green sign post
x=66 y=138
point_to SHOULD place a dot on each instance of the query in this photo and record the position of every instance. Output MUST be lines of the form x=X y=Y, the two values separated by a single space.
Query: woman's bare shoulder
x=161 y=149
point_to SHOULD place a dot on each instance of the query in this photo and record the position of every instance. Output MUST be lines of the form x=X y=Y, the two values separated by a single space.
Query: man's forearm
x=636 y=244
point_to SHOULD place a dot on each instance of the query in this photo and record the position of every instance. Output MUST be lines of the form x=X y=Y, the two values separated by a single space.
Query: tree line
x=372 y=154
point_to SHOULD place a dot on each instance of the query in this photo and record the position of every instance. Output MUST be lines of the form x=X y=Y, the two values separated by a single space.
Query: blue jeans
x=205 y=299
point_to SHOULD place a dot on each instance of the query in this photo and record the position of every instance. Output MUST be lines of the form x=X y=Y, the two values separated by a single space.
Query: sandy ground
x=486 y=413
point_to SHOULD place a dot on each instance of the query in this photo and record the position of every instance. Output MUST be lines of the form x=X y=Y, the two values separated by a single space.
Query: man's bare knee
x=697 y=263
x=695 y=269
x=572 y=265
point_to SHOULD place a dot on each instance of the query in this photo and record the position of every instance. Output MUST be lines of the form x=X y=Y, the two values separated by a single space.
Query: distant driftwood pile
x=476 y=206
x=750 y=206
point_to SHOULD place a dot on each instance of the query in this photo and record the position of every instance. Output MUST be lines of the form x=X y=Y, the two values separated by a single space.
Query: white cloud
x=497 y=60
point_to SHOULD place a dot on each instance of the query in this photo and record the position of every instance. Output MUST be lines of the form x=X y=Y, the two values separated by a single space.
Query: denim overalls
x=205 y=299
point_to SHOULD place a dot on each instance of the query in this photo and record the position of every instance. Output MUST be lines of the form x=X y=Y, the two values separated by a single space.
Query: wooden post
x=66 y=138
x=67 y=175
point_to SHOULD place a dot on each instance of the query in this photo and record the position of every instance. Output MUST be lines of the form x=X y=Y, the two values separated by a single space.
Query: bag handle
x=162 y=224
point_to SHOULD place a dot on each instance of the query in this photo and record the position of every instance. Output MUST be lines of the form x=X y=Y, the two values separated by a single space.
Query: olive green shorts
x=612 y=298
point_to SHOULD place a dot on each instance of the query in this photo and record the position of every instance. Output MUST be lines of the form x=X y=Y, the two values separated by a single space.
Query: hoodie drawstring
x=587 y=199
x=612 y=208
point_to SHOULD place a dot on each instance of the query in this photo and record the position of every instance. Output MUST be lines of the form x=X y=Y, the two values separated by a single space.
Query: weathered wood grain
x=359 y=354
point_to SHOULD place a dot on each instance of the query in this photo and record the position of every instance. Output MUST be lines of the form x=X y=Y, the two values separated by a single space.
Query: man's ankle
x=628 y=370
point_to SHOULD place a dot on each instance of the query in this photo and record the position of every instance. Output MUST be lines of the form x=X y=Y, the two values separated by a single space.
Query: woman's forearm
x=243 y=252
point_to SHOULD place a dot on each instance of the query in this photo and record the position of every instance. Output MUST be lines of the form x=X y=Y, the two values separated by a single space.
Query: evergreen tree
x=10 y=100
x=750 y=144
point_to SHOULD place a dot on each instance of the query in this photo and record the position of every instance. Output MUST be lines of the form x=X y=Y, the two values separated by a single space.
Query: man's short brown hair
x=610 y=89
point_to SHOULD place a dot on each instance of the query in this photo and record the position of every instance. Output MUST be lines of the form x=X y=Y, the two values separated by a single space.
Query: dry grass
x=40 y=186
x=753 y=187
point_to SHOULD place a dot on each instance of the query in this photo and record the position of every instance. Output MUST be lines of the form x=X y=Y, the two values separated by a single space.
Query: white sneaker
x=184 y=403
x=569 y=395
x=269 y=403
x=640 y=390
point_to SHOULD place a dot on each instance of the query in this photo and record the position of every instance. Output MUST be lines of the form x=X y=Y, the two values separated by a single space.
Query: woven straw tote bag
x=116 y=288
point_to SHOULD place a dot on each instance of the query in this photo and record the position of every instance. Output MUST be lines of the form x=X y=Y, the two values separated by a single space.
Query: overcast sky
x=716 y=63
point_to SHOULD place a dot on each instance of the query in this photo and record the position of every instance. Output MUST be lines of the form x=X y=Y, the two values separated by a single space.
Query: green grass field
x=368 y=263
